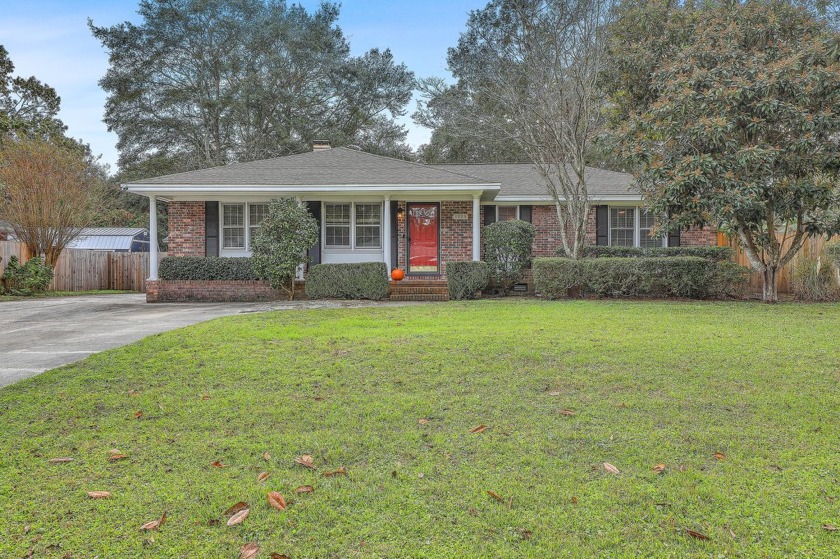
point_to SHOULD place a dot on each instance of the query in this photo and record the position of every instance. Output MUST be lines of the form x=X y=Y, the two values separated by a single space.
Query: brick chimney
x=318 y=145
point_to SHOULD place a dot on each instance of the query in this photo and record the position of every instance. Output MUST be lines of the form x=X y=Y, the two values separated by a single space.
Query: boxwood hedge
x=464 y=279
x=209 y=268
x=364 y=280
x=708 y=252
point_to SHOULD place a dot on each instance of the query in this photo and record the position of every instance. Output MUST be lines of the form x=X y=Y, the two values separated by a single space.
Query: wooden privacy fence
x=811 y=248
x=87 y=270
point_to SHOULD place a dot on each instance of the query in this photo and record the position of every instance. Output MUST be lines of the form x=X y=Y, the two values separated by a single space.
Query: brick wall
x=695 y=236
x=455 y=235
x=182 y=291
x=548 y=240
x=186 y=229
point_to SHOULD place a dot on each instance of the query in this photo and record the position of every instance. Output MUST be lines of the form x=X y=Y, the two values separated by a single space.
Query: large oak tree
x=211 y=82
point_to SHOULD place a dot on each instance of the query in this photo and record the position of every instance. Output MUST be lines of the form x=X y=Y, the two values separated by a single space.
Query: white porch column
x=153 y=238
x=386 y=233
x=476 y=244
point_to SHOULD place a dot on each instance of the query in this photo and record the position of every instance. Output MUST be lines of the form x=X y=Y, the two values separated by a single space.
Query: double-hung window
x=646 y=222
x=507 y=213
x=622 y=226
x=256 y=213
x=233 y=226
x=353 y=225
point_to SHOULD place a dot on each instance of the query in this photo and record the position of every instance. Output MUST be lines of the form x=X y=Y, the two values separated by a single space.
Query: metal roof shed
x=113 y=239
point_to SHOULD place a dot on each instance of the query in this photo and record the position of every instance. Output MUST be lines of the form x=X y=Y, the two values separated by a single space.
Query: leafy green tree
x=736 y=125
x=507 y=250
x=220 y=81
x=28 y=107
x=528 y=73
x=283 y=241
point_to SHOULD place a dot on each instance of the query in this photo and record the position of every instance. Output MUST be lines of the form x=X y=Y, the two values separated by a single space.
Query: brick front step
x=418 y=297
x=418 y=290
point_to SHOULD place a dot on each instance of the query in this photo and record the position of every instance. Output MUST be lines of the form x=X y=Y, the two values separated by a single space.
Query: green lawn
x=650 y=383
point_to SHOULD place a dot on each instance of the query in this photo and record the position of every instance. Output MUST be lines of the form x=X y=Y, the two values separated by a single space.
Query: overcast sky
x=50 y=40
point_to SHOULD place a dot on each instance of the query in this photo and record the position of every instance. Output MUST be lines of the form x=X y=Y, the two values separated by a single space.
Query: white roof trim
x=355 y=188
x=593 y=198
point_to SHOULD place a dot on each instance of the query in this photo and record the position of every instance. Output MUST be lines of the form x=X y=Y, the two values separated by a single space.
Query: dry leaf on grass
x=496 y=496
x=574 y=500
x=249 y=551
x=266 y=456
x=554 y=393
x=205 y=396
x=241 y=505
x=263 y=476
x=62 y=460
x=276 y=500
x=422 y=421
x=719 y=456
x=239 y=517
x=479 y=429
x=276 y=555
x=154 y=524
x=99 y=494
x=305 y=489
x=113 y=457
x=138 y=414
x=305 y=460
x=339 y=472
x=829 y=527
x=697 y=535
x=217 y=464
x=659 y=468
x=568 y=412
x=611 y=469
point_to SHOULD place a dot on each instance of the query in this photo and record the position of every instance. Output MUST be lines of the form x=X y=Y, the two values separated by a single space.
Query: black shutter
x=602 y=225
x=674 y=238
x=489 y=215
x=395 y=236
x=525 y=213
x=315 y=252
x=211 y=229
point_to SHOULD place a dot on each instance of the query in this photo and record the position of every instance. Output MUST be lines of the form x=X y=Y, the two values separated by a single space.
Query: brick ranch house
x=371 y=208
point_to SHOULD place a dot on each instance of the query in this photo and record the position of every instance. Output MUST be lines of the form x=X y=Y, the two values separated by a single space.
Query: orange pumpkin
x=397 y=274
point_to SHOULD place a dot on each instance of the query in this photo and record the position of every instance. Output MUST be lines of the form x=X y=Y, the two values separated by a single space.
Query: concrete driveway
x=40 y=334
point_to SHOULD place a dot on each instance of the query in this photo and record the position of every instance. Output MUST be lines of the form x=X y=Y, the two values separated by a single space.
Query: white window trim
x=352 y=246
x=243 y=250
x=637 y=227
x=496 y=209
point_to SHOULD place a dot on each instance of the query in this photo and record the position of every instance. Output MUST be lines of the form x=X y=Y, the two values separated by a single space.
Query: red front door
x=423 y=238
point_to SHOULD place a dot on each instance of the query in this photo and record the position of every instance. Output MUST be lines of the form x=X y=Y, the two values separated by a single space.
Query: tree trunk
x=769 y=292
x=292 y=289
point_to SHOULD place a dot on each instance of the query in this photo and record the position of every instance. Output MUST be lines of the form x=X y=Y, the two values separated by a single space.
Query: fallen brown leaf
x=829 y=527
x=217 y=464
x=305 y=489
x=554 y=393
x=205 y=396
x=496 y=496
x=574 y=500
x=278 y=556
x=59 y=460
x=719 y=456
x=697 y=535
x=263 y=476
x=339 y=472
x=154 y=524
x=479 y=429
x=115 y=457
x=239 y=517
x=682 y=467
x=276 y=500
x=611 y=469
x=99 y=494
x=422 y=421
x=266 y=456
x=568 y=412
x=659 y=468
x=138 y=414
x=241 y=505
x=249 y=551
x=305 y=460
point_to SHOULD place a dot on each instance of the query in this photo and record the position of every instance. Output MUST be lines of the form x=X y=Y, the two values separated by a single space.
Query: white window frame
x=349 y=226
x=637 y=224
x=243 y=226
x=248 y=220
x=516 y=206
x=353 y=246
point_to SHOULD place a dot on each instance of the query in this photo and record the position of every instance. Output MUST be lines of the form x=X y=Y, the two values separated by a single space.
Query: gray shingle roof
x=522 y=179
x=328 y=167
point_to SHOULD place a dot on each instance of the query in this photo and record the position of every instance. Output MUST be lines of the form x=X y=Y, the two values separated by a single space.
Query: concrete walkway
x=40 y=334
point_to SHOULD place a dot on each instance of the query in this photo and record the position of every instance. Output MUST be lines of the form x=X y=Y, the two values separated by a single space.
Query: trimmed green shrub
x=26 y=279
x=282 y=242
x=364 y=280
x=464 y=279
x=814 y=279
x=677 y=276
x=554 y=277
x=507 y=250
x=708 y=252
x=209 y=268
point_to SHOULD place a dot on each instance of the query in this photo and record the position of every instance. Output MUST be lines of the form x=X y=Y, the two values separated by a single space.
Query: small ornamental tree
x=507 y=250
x=282 y=243
x=736 y=123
